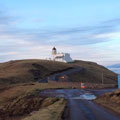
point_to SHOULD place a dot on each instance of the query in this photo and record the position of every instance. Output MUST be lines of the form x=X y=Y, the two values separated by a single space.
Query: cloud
x=113 y=22
x=82 y=42
x=103 y=32
x=8 y=53
x=112 y=35
x=6 y=19
x=74 y=35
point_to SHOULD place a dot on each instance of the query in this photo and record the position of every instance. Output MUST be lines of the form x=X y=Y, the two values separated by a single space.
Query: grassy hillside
x=22 y=89
x=24 y=71
x=93 y=73
x=24 y=102
x=110 y=100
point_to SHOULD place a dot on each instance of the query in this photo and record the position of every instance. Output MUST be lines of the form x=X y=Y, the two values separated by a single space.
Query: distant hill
x=25 y=71
x=115 y=68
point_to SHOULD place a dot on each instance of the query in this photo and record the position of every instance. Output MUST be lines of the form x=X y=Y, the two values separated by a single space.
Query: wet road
x=81 y=108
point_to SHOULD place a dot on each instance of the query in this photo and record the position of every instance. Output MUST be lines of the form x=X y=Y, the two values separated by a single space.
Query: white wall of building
x=61 y=57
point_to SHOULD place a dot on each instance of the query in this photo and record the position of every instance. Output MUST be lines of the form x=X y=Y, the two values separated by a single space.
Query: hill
x=25 y=71
x=93 y=73
x=18 y=87
x=115 y=68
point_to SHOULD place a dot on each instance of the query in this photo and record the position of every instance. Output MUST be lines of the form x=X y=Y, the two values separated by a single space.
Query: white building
x=61 y=57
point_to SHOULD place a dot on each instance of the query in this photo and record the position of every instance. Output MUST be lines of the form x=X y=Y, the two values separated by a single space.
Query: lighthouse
x=61 y=57
x=54 y=51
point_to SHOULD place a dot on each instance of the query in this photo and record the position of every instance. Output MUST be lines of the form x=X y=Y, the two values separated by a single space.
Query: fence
x=80 y=85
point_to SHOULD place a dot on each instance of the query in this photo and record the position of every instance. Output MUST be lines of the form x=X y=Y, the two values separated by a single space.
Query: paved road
x=55 y=77
x=79 y=107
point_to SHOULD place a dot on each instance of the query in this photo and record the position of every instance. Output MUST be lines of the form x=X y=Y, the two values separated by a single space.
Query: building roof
x=54 y=48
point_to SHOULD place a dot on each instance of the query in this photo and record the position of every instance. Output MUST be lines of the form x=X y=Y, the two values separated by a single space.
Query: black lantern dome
x=54 y=48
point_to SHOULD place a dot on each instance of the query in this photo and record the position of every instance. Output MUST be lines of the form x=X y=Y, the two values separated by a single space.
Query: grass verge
x=110 y=101
x=52 y=112
x=19 y=101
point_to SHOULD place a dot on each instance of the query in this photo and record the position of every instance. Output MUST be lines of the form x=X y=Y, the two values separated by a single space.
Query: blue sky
x=88 y=29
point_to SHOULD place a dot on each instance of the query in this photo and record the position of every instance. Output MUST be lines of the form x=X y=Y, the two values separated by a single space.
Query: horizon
x=88 y=30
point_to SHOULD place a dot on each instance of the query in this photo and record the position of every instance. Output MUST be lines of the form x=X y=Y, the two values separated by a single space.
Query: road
x=56 y=76
x=81 y=108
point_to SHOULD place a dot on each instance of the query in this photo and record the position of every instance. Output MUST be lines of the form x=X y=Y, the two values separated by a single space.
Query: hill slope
x=110 y=100
x=24 y=71
x=93 y=73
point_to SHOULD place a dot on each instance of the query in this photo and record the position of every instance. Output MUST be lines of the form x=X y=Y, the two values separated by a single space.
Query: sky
x=87 y=29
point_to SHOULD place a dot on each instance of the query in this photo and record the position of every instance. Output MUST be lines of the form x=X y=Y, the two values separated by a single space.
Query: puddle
x=87 y=96
x=69 y=94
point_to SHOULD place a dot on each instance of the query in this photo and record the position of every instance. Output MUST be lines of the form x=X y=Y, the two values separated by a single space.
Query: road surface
x=56 y=76
x=81 y=108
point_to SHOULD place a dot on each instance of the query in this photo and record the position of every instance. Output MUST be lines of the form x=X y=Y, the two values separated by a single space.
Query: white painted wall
x=62 y=57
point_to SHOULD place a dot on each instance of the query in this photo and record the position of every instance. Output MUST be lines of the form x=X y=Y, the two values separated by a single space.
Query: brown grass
x=22 y=89
x=110 y=100
x=8 y=95
x=52 y=112
x=24 y=71
x=20 y=100
x=92 y=73
x=18 y=83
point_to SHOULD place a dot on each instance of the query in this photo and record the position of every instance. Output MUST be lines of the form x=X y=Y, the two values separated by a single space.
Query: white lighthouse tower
x=54 y=51
x=61 y=57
